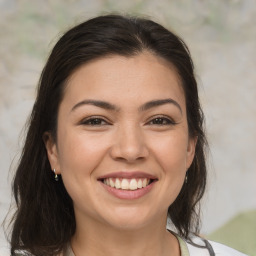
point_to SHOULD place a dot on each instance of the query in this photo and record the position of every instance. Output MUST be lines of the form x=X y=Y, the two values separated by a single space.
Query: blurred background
x=221 y=36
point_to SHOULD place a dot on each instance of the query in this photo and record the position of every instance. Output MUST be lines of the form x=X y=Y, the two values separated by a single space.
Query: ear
x=52 y=151
x=191 y=150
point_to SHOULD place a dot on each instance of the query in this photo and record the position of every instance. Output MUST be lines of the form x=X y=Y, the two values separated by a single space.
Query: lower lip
x=129 y=194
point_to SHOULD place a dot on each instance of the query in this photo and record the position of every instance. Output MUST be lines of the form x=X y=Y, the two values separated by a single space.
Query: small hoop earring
x=186 y=178
x=56 y=175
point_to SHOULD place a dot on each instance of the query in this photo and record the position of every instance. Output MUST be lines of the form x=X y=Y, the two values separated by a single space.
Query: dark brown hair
x=44 y=221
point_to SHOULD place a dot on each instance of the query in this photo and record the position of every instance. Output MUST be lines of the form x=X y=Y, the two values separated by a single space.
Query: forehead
x=119 y=78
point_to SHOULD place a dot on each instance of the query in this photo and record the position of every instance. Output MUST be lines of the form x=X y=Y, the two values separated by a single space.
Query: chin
x=128 y=225
x=130 y=219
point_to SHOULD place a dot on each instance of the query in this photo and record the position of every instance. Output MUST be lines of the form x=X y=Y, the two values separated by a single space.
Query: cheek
x=79 y=154
x=171 y=151
x=171 y=157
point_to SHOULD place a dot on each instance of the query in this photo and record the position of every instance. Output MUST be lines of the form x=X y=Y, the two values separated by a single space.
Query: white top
x=188 y=249
x=219 y=249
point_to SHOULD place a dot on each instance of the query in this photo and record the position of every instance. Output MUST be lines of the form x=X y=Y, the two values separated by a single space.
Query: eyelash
x=166 y=120
x=91 y=121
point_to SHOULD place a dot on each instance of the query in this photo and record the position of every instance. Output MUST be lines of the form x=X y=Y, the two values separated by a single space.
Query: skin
x=126 y=139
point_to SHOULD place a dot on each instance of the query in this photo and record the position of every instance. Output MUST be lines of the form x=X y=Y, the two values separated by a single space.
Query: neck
x=97 y=239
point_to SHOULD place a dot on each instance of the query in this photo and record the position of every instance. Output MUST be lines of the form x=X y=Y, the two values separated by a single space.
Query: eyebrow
x=97 y=103
x=156 y=103
x=144 y=107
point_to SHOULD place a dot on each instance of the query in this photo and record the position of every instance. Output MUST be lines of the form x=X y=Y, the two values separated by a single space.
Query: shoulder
x=223 y=250
x=198 y=247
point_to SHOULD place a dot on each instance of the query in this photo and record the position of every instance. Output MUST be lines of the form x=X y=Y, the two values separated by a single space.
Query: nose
x=129 y=145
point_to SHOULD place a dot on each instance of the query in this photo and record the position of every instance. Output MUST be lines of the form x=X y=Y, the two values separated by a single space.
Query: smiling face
x=122 y=147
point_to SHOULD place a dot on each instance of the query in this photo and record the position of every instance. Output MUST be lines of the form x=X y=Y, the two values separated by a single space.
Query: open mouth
x=127 y=184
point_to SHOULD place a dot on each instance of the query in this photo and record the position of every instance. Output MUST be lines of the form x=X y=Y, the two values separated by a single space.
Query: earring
x=186 y=178
x=56 y=175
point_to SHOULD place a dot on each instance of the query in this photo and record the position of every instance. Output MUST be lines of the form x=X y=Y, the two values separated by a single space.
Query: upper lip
x=128 y=175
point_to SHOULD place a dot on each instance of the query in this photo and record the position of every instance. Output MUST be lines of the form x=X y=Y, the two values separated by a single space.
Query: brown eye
x=94 y=122
x=161 y=121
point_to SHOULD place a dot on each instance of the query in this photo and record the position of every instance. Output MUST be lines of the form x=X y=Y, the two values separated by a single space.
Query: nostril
x=129 y=149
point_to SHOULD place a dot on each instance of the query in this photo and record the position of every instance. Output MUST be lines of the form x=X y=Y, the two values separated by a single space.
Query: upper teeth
x=127 y=184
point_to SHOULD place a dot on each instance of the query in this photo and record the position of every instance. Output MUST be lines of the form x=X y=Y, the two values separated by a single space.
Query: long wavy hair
x=44 y=221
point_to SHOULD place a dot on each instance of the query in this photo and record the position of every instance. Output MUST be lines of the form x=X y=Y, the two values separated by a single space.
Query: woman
x=115 y=146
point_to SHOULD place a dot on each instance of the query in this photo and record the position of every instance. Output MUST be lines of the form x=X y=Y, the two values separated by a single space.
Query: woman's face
x=123 y=147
